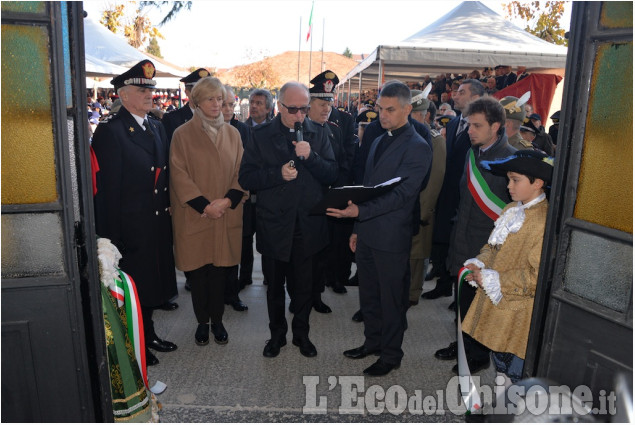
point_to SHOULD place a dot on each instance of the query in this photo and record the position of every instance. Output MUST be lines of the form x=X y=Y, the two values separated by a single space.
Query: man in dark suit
x=232 y=286
x=174 y=119
x=132 y=201
x=457 y=143
x=290 y=172
x=383 y=230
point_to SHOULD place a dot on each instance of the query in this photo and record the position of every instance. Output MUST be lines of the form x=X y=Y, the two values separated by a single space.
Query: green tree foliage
x=175 y=8
x=542 y=17
x=348 y=53
x=154 y=48
x=127 y=19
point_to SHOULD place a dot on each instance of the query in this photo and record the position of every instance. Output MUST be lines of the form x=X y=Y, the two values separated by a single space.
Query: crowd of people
x=191 y=188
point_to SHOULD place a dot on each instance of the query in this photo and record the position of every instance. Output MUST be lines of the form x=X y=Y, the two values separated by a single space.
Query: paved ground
x=235 y=383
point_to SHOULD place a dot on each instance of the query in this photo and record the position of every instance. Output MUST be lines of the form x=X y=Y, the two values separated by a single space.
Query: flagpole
x=299 y=46
x=310 y=35
x=310 y=56
x=322 y=60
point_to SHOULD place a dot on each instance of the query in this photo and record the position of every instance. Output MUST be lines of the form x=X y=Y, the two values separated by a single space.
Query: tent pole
x=360 y=87
x=380 y=74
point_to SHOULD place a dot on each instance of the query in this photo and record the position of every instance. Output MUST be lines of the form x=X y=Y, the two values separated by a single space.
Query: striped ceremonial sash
x=469 y=391
x=135 y=323
x=117 y=291
x=487 y=201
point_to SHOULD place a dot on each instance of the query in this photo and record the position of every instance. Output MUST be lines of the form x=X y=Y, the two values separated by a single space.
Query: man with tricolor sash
x=483 y=195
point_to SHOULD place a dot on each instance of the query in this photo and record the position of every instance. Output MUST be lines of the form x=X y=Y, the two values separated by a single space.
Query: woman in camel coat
x=206 y=200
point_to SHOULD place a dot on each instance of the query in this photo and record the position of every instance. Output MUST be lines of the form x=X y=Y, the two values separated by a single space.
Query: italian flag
x=135 y=322
x=308 y=34
x=487 y=201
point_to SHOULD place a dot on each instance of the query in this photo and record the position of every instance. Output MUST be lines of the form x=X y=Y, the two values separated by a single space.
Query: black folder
x=338 y=197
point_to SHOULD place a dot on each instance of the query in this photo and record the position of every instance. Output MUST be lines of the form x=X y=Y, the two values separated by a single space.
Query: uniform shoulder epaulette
x=434 y=133
x=333 y=123
x=153 y=117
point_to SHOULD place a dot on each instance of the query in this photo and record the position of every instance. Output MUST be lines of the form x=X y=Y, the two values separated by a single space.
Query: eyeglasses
x=294 y=109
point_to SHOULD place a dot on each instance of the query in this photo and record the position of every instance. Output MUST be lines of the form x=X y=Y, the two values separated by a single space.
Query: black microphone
x=298 y=135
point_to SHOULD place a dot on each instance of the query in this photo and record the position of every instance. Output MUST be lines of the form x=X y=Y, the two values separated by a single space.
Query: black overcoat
x=281 y=202
x=132 y=201
x=173 y=120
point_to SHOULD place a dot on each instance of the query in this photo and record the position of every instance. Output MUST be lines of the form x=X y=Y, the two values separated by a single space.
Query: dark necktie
x=462 y=126
x=146 y=124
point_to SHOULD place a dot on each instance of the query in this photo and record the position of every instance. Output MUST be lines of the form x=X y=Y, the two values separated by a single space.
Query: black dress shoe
x=433 y=273
x=220 y=334
x=357 y=317
x=151 y=359
x=201 y=337
x=339 y=288
x=353 y=281
x=169 y=306
x=161 y=345
x=272 y=348
x=360 y=352
x=380 y=368
x=437 y=292
x=447 y=353
x=239 y=305
x=320 y=307
x=473 y=365
x=307 y=349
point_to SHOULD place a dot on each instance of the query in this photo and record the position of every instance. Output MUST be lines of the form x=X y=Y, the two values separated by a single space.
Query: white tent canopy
x=107 y=54
x=470 y=36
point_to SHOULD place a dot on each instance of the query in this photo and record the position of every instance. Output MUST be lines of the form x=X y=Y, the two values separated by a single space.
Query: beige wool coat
x=504 y=327
x=200 y=167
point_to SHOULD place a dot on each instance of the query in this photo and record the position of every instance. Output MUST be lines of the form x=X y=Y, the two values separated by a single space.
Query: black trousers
x=298 y=274
x=339 y=257
x=383 y=298
x=232 y=287
x=247 y=252
x=438 y=258
x=474 y=350
x=148 y=324
x=208 y=290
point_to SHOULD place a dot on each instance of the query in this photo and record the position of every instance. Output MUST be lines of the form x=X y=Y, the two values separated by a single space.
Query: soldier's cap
x=367 y=116
x=443 y=120
x=529 y=126
x=512 y=110
x=324 y=84
x=140 y=75
x=370 y=102
x=498 y=67
x=555 y=117
x=193 y=77
x=488 y=68
x=535 y=116
x=419 y=101
x=528 y=162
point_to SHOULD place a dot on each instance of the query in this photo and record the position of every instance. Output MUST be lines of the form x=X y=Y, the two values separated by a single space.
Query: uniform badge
x=203 y=73
x=131 y=129
x=148 y=70
x=328 y=86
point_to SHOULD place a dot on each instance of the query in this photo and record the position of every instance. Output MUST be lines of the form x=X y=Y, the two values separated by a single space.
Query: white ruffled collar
x=511 y=221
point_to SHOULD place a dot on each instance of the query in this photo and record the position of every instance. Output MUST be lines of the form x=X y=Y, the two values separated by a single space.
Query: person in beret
x=334 y=264
x=514 y=116
x=424 y=112
x=505 y=272
x=176 y=118
x=132 y=205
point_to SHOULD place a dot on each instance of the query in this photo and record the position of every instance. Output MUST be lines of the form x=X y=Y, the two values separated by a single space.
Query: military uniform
x=514 y=110
x=132 y=201
x=176 y=118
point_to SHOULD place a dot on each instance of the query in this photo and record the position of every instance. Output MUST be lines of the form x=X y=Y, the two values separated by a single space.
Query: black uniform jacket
x=173 y=120
x=281 y=204
x=132 y=201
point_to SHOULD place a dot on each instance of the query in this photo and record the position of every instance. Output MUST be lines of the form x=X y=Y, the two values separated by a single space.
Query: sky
x=226 y=33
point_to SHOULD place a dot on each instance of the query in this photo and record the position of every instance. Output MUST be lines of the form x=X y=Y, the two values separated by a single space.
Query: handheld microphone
x=299 y=136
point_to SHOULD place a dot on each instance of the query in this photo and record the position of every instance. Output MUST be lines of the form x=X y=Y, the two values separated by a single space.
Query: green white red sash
x=134 y=318
x=469 y=390
x=487 y=201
